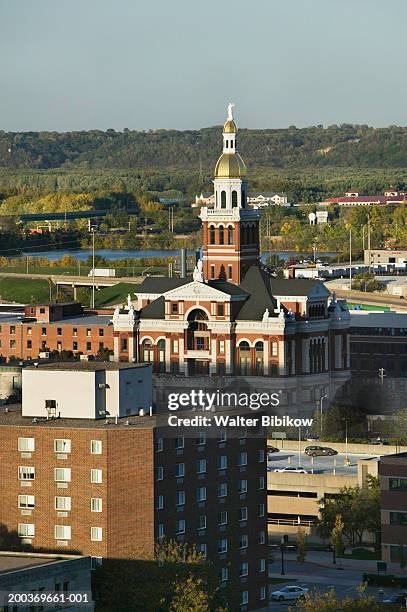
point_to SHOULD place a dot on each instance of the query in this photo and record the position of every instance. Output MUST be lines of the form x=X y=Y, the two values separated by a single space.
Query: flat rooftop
x=319 y=465
x=11 y=416
x=85 y=319
x=87 y=366
x=365 y=318
x=10 y=562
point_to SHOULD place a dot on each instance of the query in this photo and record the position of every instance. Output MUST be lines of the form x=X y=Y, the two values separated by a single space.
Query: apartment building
x=54 y=327
x=393 y=482
x=90 y=475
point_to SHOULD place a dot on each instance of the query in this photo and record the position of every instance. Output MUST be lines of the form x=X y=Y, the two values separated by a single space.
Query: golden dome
x=230 y=165
x=230 y=127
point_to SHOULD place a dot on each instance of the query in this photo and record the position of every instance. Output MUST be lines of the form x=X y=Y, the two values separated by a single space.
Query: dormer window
x=174 y=308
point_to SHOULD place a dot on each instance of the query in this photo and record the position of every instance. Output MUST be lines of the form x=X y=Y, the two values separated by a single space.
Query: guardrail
x=291 y=522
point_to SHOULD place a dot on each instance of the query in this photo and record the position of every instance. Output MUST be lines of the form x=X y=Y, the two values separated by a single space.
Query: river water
x=110 y=254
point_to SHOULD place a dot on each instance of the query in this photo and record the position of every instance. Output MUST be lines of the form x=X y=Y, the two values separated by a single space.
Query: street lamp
x=321 y=399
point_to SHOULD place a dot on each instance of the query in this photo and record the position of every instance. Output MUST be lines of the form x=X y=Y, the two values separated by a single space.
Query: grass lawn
x=24 y=290
x=362 y=554
x=115 y=294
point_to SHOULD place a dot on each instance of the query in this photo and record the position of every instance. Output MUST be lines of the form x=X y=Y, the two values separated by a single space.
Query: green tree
x=190 y=596
x=329 y=601
x=336 y=537
x=301 y=546
x=359 y=508
x=178 y=578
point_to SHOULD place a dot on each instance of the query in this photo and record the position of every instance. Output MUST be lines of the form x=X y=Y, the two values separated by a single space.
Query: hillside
x=171 y=150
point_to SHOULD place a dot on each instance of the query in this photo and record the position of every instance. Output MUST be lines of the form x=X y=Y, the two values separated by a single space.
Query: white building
x=263 y=200
x=86 y=390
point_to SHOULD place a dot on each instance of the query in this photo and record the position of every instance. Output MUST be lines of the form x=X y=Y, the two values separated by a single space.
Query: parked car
x=319 y=451
x=311 y=437
x=289 y=592
x=294 y=470
x=272 y=449
x=379 y=440
x=396 y=600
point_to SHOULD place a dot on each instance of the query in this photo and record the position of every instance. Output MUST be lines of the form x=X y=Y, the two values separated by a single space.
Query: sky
x=99 y=64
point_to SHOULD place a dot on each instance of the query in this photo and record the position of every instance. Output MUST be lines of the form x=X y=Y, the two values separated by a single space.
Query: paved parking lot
x=319 y=574
x=315 y=465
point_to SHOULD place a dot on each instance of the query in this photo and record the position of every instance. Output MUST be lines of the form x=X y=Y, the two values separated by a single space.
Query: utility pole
x=363 y=238
x=299 y=446
x=350 y=260
x=321 y=399
x=382 y=375
x=368 y=240
x=93 y=267
x=171 y=219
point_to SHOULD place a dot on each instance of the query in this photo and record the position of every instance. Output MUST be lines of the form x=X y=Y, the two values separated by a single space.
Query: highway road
x=375 y=299
x=65 y=279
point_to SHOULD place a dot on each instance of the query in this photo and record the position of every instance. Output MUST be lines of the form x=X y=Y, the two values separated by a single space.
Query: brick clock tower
x=230 y=229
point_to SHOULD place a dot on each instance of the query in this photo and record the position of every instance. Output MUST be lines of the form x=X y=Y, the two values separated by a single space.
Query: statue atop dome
x=197 y=274
x=230 y=111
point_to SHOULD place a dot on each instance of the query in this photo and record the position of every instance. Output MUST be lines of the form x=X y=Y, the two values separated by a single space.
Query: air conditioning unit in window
x=44 y=355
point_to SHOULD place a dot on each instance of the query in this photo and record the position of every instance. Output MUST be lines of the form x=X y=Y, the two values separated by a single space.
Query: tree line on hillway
x=316 y=146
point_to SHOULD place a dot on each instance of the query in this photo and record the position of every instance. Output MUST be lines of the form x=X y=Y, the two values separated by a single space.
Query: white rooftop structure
x=86 y=390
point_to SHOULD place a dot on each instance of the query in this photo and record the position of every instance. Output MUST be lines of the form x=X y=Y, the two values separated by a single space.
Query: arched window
x=161 y=355
x=212 y=234
x=230 y=234
x=147 y=351
x=221 y=235
x=227 y=144
x=234 y=197
x=259 y=348
x=197 y=332
x=244 y=358
x=223 y=199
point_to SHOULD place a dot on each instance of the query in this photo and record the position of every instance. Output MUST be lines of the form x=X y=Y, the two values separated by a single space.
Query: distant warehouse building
x=353 y=198
x=377 y=257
